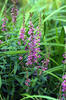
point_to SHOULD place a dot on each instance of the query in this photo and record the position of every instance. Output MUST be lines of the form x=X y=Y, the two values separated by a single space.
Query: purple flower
x=22 y=32
x=45 y=62
x=64 y=77
x=45 y=68
x=19 y=43
x=33 y=45
x=20 y=58
x=14 y=13
x=4 y=24
x=64 y=86
x=27 y=82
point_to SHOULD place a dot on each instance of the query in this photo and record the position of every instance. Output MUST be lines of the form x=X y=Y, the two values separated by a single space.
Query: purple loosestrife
x=64 y=86
x=20 y=58
x=14 y=13
x=4 y=24
x=45 y=64
x=33 y=48
x=22 y=32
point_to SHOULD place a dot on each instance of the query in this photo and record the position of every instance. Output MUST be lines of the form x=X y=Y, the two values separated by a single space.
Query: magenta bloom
x=22 y=32
x=27 y=82
x=45 y=62
x=64 y=86
x=38 y=31
x=20 y=58
x=44 y=69
x=19 y=43
x=33 y=45
x=64 y=77
x=4 y=24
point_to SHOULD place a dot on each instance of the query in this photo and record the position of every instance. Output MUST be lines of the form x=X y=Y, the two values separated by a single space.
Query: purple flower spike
x=14 y=13
x=4 y=24
x=22 y=34
x=33 y=45
x=64 y=86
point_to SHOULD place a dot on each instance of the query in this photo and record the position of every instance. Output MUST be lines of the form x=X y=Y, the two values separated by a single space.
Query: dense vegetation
x=32 y=50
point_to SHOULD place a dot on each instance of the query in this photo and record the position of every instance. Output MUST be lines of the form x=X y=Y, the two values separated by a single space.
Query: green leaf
x=60 y=79
x=3 y=8
x=13 y=52
x=15 y=67
x=49 y=39
x=61 y=37
x=54 y=69
x=53 y=44
x=37 y=96
x=65 y=28
x=53 y=13
x=0 y=81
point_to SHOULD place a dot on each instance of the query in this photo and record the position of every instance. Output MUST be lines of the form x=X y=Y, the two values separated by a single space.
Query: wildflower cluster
x=4 y=24
x=33 y=45
x=22 y=32
x=64 y=86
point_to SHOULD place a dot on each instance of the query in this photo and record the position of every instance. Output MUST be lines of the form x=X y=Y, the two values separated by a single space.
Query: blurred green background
x=51 y=4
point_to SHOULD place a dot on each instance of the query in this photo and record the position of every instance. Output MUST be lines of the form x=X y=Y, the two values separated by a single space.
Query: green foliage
x=37 y=96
